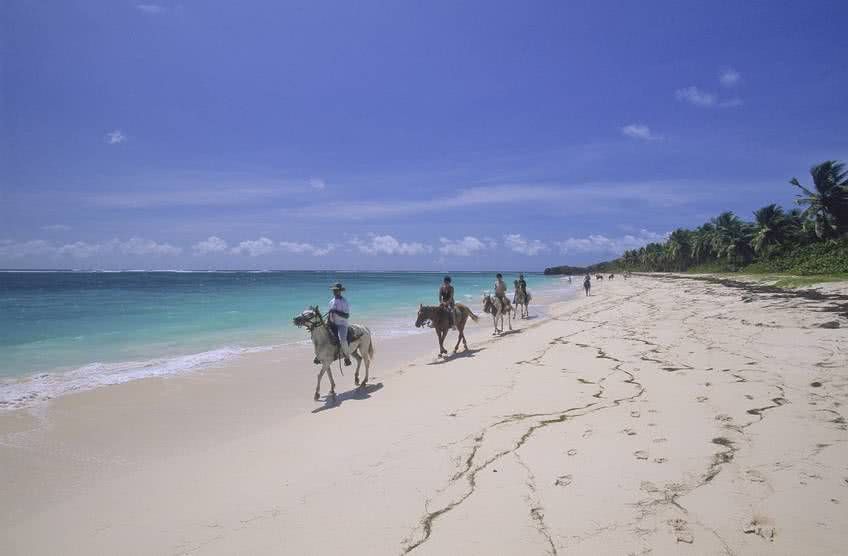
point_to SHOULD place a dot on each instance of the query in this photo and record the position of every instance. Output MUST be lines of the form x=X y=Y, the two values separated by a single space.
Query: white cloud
x=729 y=77
x=140 y=246
x=82 y=249
x=317 y=183
x=294 y=247
x=695 y=96
x=116 y=137
x=213 y=244
x=56 y=228
x=573 y=198
x=598 y=243
x=254 y=248
x=640 y=131
x=12 y=249
x=519 y=244
x=388 y=245
x=465 y=247
x=151 y=9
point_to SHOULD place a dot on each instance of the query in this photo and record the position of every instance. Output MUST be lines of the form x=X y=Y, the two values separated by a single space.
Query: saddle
x=353 y=333
x=456 y=314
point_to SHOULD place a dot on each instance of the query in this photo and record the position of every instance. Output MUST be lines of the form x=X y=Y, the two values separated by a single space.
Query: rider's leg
x=343 y=343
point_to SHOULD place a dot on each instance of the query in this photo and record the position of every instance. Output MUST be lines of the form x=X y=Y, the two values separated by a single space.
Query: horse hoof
x=332 y=397
x=316 y=396
x=356 y=381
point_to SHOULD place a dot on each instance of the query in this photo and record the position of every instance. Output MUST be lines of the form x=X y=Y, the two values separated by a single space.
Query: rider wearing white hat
x=338 y=311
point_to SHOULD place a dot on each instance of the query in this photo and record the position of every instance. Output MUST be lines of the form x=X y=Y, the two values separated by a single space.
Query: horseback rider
x=522 y=283
x=500 y=290
x=446 y=300
x=338 y=311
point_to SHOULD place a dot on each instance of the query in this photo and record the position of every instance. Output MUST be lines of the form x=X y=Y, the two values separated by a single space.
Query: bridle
x=311 y=323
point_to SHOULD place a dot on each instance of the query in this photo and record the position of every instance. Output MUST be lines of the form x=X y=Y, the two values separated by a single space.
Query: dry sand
x=661 y=415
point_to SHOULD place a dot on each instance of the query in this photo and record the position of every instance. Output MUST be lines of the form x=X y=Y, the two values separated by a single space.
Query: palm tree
x=731 y=238
x=827 y=201
x=702 y=242
x=772 y=229
x=679 y=248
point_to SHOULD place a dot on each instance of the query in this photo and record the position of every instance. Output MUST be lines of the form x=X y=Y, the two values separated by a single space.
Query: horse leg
x=358 y=358
x=509 y=318
x=318 y=386
x=367 y=362
x=459 y=327
x=442 y=341
x=332 y=394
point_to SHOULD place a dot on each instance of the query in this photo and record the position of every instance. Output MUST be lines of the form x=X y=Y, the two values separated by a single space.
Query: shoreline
x=38 y=387
x=677 y=415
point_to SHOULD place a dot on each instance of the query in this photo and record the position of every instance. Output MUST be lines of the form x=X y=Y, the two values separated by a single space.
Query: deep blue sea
x=66 y=331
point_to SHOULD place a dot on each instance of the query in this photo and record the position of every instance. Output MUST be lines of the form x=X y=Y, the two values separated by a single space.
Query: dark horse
x=439 y=318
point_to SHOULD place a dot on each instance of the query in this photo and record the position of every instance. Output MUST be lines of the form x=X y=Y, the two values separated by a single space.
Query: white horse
x=327 y=349
x=521 y=300
x=494 y=306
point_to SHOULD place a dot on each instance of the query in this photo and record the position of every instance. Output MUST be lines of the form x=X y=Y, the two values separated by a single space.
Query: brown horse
x=439 y=318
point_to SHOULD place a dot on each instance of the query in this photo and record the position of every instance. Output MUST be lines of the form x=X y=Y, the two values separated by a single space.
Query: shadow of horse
x=354 y=394
x=510 y=332
x=458 y=355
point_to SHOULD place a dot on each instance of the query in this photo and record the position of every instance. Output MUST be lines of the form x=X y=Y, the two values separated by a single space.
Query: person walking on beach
x=587 y=284
x=338 y=312
x=446 y=300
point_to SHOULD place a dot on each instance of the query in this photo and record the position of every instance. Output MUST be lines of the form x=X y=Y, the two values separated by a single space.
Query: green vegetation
x=809 y=240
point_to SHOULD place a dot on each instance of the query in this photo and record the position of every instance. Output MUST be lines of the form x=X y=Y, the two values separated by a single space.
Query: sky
x=401 y=135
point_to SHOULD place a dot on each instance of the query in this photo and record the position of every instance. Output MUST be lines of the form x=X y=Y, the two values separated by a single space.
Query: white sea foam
x=15 y=394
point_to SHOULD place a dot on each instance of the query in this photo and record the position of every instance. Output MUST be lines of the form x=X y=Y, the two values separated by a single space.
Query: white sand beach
x=661 y=415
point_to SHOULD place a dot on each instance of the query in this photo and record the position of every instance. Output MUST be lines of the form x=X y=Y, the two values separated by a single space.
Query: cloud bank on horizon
x=537 y=145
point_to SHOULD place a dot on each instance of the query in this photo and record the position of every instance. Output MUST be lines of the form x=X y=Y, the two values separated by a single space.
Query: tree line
x=810 y=238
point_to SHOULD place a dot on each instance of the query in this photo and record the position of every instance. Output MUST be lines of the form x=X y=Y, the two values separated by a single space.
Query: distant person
x=446 y=298
x=338 y=311
x=587 y=284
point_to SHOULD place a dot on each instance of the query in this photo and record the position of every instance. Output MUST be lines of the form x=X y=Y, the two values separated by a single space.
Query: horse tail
x=471 y=314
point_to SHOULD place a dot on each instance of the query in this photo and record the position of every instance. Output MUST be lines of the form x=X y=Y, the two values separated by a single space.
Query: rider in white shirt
x=338 y=311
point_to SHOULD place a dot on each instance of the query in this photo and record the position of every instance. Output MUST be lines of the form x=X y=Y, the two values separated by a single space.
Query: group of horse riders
x=338 y=309
x=446 y=293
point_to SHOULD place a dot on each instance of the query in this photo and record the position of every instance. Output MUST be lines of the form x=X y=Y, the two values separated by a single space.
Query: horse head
x=424 y=316
x=310 y=318
x=488 y=304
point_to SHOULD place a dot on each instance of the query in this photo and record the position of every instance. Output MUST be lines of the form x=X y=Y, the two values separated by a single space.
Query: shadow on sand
x=458 y=355
x=510 y=332
x=354 y=394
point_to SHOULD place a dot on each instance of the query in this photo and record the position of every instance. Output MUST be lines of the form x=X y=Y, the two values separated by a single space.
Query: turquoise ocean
x=68 y=331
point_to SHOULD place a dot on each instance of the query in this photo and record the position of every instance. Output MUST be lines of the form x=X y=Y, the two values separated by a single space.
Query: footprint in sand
x=723 y=417
x=563 y=480
x=660 y=460
x=749 y=396
x=587 y=433
x=755 y=476
x=658 y=440
x=760 y=526
x=702 y=399
x=629 y=432
x=681 y=530
x=635 y=413
x=641 y=454
x=572 y=452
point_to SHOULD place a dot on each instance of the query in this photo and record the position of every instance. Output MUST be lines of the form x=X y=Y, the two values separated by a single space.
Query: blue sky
x=400 y=135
